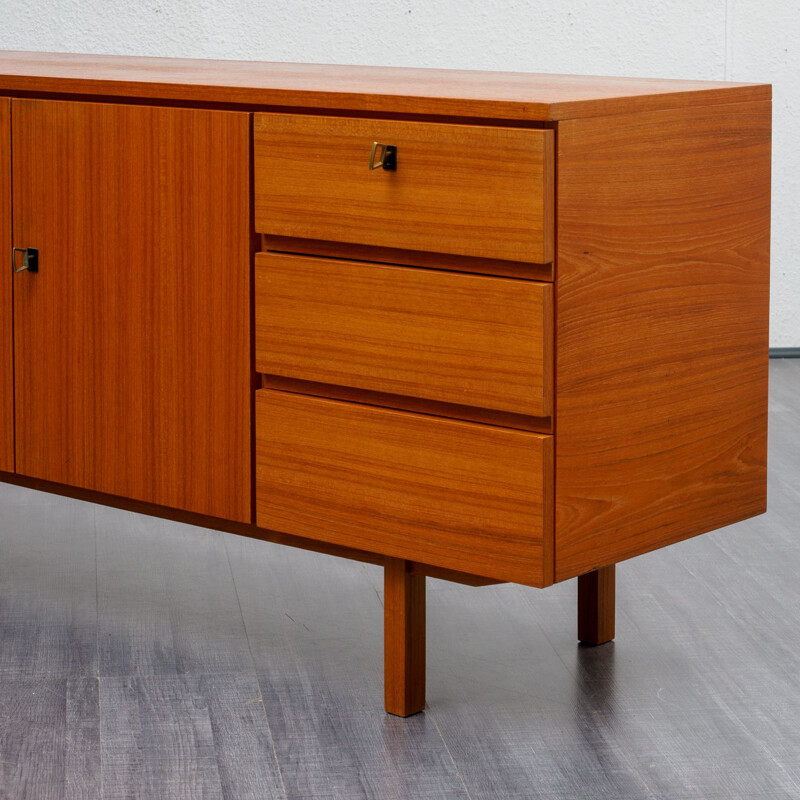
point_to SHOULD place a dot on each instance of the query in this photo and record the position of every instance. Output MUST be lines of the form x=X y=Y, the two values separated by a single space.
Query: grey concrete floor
x=147 y=659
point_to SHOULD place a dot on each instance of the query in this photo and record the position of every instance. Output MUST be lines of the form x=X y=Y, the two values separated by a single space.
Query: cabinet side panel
x=662 y=329
x=6 y=319
x=132 y=342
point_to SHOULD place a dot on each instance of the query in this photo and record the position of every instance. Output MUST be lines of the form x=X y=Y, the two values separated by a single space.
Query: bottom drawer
x=453 y=494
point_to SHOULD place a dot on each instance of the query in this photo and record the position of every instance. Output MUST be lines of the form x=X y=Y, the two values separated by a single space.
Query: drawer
x=463 y=189
x=450 y=337
x=453 y=494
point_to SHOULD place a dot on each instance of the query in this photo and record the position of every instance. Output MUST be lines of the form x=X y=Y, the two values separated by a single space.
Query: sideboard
x=479 y=326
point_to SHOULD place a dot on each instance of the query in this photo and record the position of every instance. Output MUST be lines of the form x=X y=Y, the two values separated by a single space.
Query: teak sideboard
x=479 y=326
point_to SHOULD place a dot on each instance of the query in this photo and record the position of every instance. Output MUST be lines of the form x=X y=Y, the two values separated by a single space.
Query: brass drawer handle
x=387 y=159
x=30 y=259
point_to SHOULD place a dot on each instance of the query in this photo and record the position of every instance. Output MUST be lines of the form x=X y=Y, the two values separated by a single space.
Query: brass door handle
x=387 y=158
x=30 y=259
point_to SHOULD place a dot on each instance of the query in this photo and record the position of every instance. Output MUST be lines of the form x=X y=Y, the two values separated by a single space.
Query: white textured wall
x=706 y=39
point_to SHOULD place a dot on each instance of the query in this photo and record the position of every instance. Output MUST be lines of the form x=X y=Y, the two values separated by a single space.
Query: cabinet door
x=132 y=353
x=6 y=346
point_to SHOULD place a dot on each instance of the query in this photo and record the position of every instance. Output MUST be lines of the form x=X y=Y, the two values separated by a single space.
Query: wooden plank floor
x=147 y=659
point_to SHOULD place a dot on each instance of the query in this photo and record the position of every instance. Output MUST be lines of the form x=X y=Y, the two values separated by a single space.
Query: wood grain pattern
x=596 y=610
x=82 y=773
x=403 y=639
x=466 y=189
x=187 y=737
x=398 y=90
x=132 y=342
x=466 y=339
x=48 y=587
x=159 y=611
x=662 y=316
x=6 y=301
x=314 y=625
x=49 y=738
x=453 y=494
x=158 y=738
x=707 y=672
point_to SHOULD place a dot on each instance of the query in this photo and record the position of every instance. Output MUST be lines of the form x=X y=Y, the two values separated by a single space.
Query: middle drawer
x=473 y=340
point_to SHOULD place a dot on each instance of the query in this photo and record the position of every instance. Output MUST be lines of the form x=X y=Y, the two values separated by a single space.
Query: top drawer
x=462 y=189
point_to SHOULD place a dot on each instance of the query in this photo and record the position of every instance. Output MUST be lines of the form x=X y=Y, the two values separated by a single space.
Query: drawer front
x=455 y=338
x=463 y=189
x=453 y=494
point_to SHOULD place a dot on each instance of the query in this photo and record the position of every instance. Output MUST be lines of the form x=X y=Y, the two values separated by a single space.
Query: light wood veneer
x=466 y=339
x=403 y=638
x=662 y=333
x=132 y=344
x=473 y=190
x=460 y=495
x=535 y=349
x=371 y=90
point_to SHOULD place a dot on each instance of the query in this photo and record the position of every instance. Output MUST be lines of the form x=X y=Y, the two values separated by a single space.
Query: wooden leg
x=404 y=638
x=596 y=606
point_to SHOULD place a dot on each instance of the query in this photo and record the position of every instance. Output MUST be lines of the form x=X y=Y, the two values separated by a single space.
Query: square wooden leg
x=596 y=606
x=404 y=638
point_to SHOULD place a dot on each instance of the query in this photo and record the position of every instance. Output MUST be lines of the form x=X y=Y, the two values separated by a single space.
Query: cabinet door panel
x=132 y=349
x=6 y=353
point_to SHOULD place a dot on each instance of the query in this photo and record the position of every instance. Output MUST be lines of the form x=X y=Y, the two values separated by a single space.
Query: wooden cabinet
x=132 y=366
x=479 y=326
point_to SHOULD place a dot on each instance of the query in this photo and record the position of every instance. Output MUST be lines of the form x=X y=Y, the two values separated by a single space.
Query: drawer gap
x=521 y=270
x=501 y=419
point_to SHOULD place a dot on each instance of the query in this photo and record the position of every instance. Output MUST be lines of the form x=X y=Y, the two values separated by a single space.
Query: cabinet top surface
x=395 y=90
